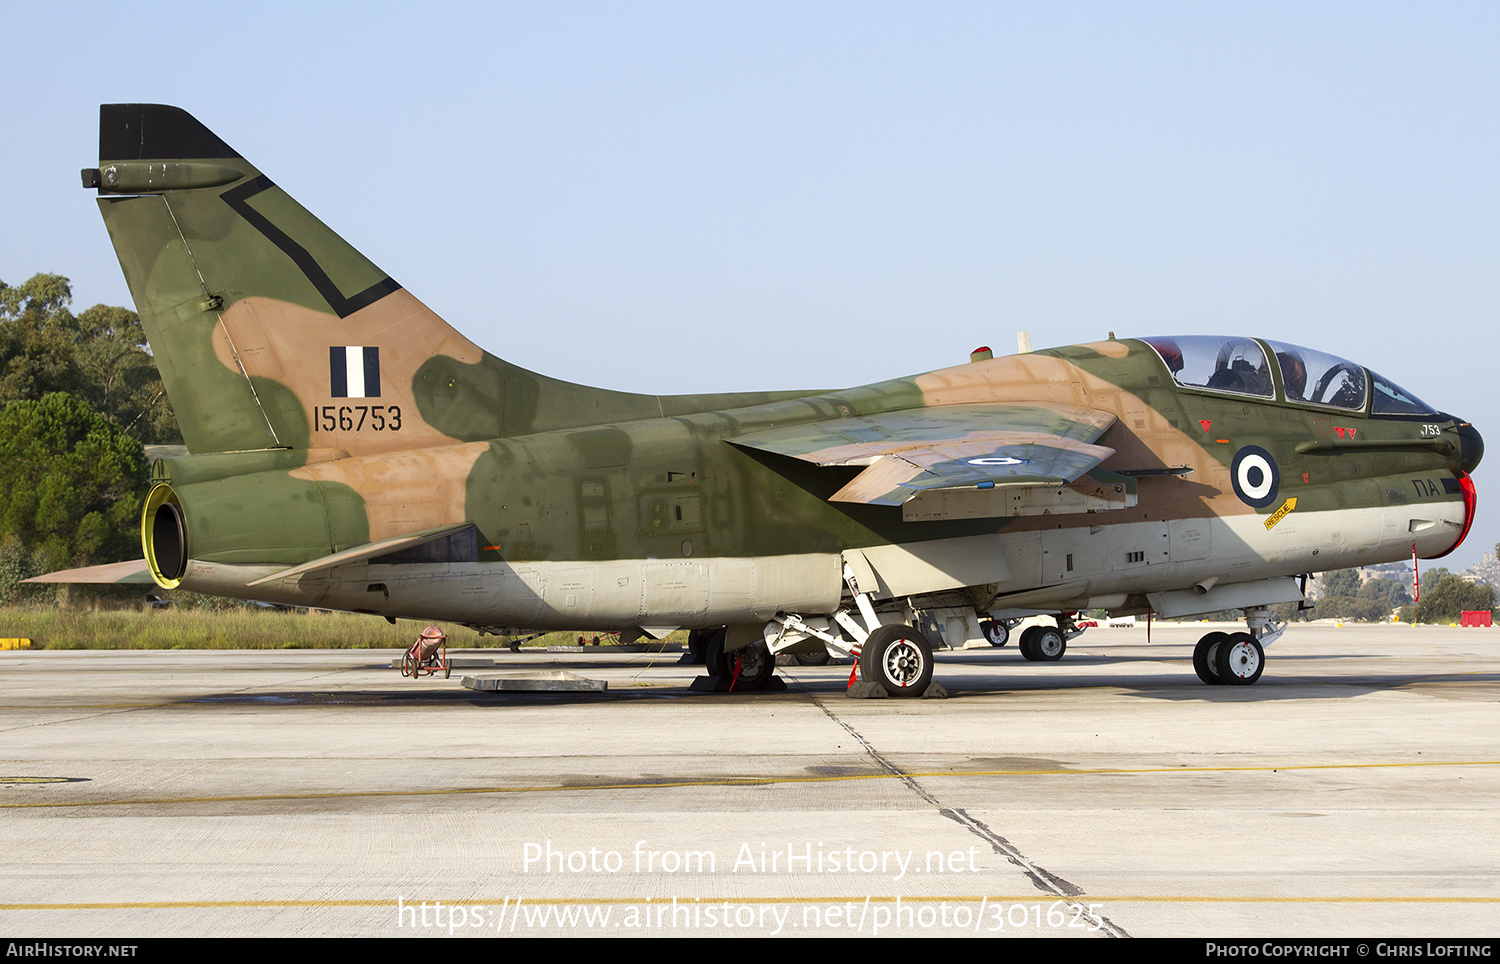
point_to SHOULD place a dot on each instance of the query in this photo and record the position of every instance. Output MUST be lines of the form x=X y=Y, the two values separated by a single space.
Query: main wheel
x=898 y=658
x=1240 y=660
x=996 y=633
x=1205 y=656
x=1049 y=644
x=756 y=666
x=714 y=657
x=697 y=647
x=754 y=663
x=820 y=658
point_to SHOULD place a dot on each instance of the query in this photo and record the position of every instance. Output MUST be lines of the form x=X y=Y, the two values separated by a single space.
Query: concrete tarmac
x=1351 y=792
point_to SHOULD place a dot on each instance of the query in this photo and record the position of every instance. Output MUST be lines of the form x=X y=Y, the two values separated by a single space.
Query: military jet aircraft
x=350 y=450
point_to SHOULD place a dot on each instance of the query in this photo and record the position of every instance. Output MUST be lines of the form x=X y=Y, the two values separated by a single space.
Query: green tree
x=1343 y=596
x=1340 y=582
x=71 y=482
x=1336 y=594
x=42 y=297
x=1377 y=598
x=36 y=359
x=1450 y=595
x=16 y=563
x=1431 y=578
x=99 y=356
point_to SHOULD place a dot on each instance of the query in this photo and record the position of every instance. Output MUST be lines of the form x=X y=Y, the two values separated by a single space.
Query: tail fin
x=272 y=332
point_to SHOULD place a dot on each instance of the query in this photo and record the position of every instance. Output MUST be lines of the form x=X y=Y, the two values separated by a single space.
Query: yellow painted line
x=1034 y=897
x=732 y=782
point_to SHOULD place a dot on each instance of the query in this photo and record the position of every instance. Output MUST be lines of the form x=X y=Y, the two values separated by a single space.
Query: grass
x=178 y=628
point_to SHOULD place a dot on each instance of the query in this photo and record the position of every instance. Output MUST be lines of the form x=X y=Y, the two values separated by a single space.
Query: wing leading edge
x=916 y=450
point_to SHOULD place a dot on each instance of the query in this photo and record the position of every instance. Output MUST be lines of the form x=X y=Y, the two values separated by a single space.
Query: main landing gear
x=898 y=658
x=1039 y=644
x=1237 y=659
x=747 y=668
x=893 y=659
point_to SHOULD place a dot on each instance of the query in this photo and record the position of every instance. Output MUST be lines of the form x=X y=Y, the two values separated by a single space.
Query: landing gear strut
x=896 y=658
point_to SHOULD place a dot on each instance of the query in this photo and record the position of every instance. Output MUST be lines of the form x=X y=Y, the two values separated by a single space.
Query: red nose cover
x=1470 y=498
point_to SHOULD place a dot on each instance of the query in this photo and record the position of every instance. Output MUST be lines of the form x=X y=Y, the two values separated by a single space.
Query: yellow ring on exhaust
x=161 y=494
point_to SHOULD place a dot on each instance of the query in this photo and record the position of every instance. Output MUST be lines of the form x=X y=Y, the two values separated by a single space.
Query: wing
x=956 y=446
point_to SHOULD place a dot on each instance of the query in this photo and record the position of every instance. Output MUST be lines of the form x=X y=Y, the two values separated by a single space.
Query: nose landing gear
x=1237 y=659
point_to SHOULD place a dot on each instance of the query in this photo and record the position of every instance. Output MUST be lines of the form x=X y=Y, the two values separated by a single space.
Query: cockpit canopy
x=1241 y=366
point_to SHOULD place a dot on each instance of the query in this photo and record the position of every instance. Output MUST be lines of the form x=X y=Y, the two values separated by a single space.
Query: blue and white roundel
x=1255 y=476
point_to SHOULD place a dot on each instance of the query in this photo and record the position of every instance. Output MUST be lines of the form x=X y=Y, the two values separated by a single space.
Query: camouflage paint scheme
x=457 y=486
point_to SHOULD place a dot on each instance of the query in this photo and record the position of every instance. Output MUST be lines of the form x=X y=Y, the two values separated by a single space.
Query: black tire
x=1048 y=644
x=714 y=657
x=697 y=647
x=756 y=666
x=996 y=633
x=1204 y=656
x=754 y=663
x=1240 y=660
x=820 y=658
x=898 y=658
x=1027 y=645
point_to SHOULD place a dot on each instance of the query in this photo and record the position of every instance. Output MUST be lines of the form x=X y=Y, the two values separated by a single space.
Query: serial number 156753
x=357 y=418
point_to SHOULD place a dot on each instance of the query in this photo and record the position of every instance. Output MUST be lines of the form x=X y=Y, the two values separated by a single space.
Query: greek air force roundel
x=1255 y=476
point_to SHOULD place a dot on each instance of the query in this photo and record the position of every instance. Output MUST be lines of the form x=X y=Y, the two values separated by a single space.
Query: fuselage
x=662 y=522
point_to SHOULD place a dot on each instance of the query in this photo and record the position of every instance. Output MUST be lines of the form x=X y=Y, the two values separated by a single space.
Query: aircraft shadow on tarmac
x=964 y=677
x=445 y=695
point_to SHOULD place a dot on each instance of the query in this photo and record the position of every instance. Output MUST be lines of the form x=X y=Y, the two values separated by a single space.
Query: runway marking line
x=734 y=782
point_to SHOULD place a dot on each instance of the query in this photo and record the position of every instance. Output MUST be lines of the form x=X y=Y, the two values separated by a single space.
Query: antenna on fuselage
x=1023 y=342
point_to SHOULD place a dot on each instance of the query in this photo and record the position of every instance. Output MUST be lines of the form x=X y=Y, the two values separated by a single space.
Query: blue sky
x=671 y=197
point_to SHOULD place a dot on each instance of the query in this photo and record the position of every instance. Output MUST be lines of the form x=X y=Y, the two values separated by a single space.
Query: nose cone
x=1470 y=446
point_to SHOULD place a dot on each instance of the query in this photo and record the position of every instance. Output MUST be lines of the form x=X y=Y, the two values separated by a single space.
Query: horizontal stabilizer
x=916 y=450
x=369 y=550
x=109 y=574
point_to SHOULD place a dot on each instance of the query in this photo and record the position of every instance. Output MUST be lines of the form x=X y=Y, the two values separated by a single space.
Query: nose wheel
x=1229 y=659
x=1043 y=644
